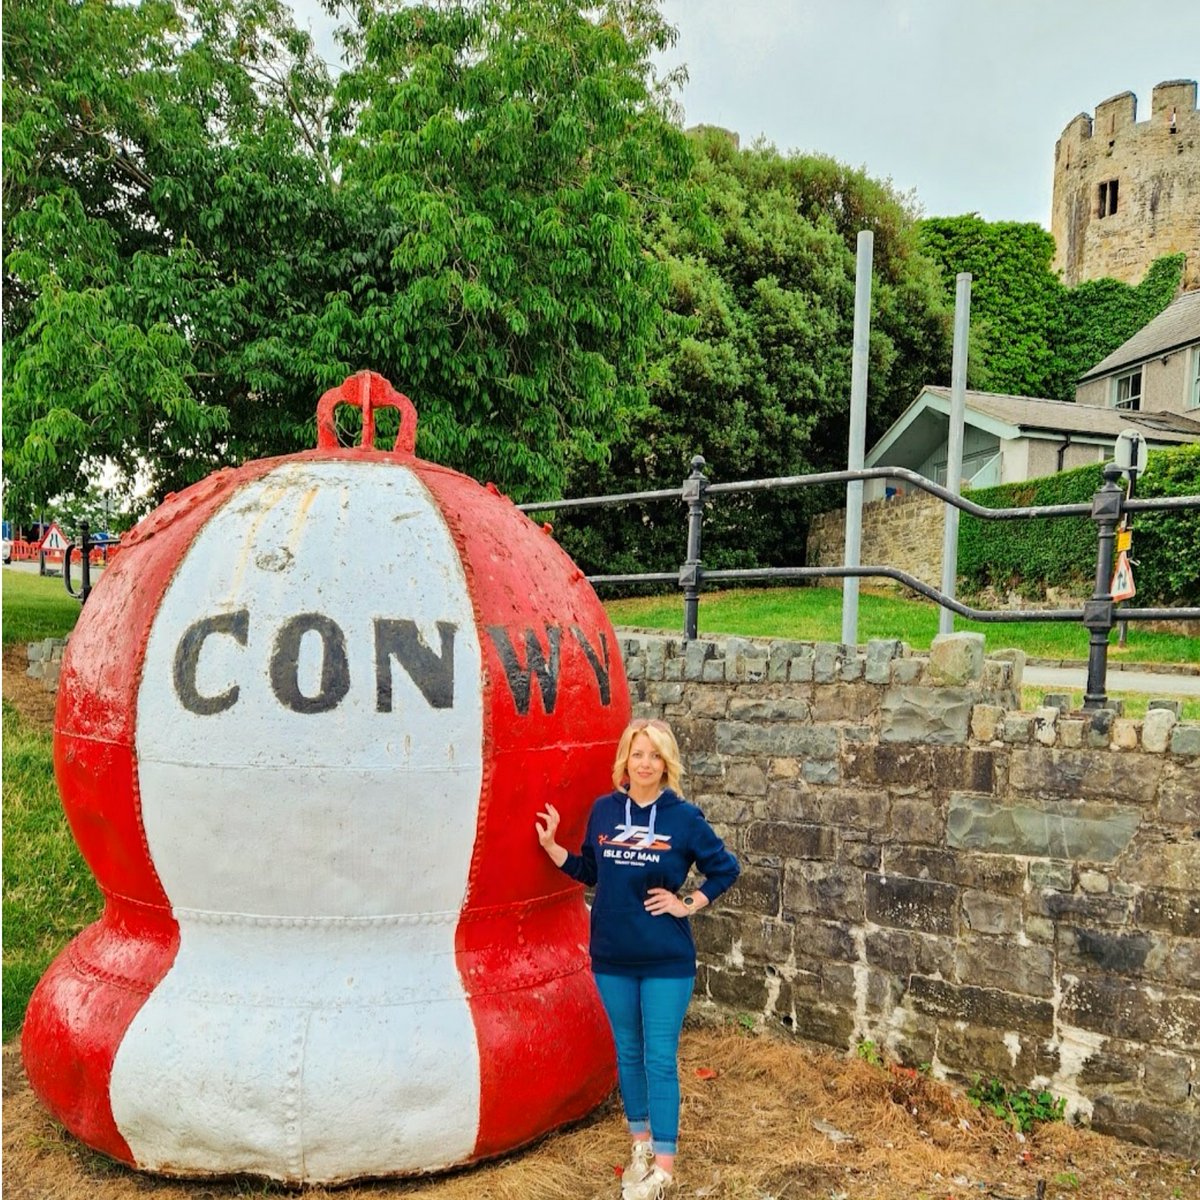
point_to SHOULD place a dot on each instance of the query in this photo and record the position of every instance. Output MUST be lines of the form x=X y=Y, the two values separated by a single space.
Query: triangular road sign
x=54 y=539
x=1122 y=580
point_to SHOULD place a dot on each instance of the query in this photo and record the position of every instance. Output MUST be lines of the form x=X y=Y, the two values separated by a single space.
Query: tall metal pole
x=954 y=449
x=858 y=431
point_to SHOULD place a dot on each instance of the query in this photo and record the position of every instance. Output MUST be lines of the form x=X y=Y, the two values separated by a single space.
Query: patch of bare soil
x=28 y=696
x=762 y=1118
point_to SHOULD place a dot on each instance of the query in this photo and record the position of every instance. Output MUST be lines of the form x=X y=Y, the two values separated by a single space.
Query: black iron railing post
x=690 y=574
x=85 y=567
x=1098 y=611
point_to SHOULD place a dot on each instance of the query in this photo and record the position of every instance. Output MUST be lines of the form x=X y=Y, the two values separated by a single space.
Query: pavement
x=53 y=569
x=1149 y=682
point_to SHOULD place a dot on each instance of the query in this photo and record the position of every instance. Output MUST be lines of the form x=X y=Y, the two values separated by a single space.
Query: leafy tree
x=203 y=232
x=753 y=368
x=163 y=219
x=513 y=146
x=1032 y=335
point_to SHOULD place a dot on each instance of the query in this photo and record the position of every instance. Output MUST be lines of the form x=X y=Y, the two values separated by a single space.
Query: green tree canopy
x=753 y=368
x=203 y=231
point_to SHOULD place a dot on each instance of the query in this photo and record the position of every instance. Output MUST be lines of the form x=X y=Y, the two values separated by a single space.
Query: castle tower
x=1127 y=193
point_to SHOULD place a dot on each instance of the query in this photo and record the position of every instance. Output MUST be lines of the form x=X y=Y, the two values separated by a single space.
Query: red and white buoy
x=304 y=725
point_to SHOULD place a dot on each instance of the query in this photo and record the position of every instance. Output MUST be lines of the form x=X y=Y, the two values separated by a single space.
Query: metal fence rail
x=1108 y=508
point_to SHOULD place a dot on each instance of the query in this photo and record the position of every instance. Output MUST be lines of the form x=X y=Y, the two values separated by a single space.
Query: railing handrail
x=1107 y=508
x=1024 y=512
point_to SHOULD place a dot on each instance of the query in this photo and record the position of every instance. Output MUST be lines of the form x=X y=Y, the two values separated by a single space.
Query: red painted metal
x=521 y=940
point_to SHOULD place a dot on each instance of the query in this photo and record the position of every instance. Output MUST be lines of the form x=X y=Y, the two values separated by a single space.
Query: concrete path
x=1069 y=679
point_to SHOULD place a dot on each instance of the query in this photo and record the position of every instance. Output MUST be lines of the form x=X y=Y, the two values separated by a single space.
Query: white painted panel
x=315 y=861
x=308 y=1051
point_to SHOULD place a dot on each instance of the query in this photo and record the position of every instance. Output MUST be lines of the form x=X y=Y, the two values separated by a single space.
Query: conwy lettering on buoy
x=395 y=639
x=304 y=725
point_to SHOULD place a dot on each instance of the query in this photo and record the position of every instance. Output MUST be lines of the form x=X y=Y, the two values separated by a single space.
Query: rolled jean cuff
x=661 y=1147
x=639 y=1126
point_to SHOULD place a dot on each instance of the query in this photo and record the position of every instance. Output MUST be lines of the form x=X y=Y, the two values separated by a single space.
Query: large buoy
x=304 y=726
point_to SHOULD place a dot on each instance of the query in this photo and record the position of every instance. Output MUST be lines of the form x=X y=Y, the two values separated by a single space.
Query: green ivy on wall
x=1031 y=335
x=1101 y=314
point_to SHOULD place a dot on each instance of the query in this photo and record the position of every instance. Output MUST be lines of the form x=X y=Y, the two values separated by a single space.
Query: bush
x=1031 y=556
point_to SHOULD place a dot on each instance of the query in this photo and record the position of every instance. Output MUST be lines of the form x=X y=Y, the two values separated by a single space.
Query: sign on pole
x=1122 y=580
x=54 y=542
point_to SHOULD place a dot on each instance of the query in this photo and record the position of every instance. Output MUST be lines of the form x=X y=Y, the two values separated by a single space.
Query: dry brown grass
x=748 y=1134
x=28 y=696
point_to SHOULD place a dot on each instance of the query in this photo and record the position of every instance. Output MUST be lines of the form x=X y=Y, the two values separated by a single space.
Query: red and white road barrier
x=304 y=725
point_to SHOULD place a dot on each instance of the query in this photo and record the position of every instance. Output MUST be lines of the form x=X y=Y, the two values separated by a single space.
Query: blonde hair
x=661 y=738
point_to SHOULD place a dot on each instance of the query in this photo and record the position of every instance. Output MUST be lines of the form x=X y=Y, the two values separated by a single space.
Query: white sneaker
x=641 y=1161
x=653 y=1187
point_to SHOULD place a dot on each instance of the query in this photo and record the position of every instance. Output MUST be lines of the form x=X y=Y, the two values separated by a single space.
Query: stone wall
x=962 y=883
x=1156 y=166
x=45 y=660
x=904 y=532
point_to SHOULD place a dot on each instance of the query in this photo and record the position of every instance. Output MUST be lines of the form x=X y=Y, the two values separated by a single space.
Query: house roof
x=1178 y=325
x=1010 y=417
x=1029 y=414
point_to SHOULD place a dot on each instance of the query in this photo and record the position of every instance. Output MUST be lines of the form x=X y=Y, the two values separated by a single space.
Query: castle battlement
x=1127 y=192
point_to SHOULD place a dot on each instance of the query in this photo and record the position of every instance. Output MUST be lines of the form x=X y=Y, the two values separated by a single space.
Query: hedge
x=1030 y=556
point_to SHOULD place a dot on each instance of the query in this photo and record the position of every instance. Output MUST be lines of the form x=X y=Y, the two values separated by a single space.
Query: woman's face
x=645 y=765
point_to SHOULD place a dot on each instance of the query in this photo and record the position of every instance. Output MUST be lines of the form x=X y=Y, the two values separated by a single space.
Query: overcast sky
x=960 y=101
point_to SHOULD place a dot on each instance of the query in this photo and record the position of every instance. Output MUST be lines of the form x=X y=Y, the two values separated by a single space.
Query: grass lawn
x=36 y=606
x=49 y=894
x=814 y=614
x=1134 y=703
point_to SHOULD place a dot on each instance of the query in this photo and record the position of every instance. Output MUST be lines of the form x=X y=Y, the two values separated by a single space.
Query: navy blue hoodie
x=626 y=851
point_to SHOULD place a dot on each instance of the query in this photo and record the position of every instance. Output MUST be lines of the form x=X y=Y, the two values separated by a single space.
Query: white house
x=1007 y=439
x=1156 y=371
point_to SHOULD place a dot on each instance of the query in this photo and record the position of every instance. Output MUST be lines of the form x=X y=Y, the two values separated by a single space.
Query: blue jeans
x=646 y=1016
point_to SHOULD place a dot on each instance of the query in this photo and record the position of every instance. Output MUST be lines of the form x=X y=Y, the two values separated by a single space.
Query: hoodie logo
x=632 y=841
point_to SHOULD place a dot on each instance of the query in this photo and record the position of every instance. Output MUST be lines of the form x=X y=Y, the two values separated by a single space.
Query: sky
x=959 y=102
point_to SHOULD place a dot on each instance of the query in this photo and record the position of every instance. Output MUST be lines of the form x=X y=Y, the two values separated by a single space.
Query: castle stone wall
x=1156 y=166
x=928 y=868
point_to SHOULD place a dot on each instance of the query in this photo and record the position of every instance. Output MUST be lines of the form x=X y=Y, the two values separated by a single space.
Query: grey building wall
x=1164 y=384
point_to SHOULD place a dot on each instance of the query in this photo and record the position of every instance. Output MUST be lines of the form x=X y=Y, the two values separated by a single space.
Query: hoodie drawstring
x=648 y=840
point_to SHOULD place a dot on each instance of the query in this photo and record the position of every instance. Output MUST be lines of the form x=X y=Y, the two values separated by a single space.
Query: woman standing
x=640 y=843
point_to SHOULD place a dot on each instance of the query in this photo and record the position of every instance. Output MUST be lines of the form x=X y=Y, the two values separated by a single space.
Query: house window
x=1128 y=392
x=1194 y=380
x=1108 y=198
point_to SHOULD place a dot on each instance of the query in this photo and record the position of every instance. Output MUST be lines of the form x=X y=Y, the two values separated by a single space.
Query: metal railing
x=1108 y=508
